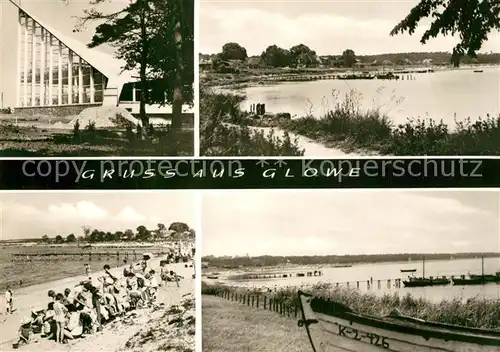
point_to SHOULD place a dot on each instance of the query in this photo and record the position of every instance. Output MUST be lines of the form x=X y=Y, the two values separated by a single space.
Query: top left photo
x=94 y=78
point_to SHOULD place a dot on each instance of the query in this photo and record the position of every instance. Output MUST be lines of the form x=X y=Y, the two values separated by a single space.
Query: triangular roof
x=107 y=64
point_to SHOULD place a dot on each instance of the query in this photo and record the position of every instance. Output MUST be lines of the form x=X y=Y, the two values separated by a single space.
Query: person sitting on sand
x=49 y=324
x=60 y=317
x=74 y=325
x=25 y=333
x=37 y=320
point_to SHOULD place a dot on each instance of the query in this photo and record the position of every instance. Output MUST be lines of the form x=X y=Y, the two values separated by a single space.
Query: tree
x=275 y=56
x=178 y=227
x=71 y=238
x=45 y=239
x=233 y=51
x=303 y=55
x=348 y=58
x=129 y=234
x=143 y=234
x=472 y=20
x=59 y=239
x=153 y=37
x=86 y=232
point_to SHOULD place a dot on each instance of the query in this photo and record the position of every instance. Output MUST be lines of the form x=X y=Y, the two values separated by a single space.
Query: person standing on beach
x=8 y=300
x=87 y=270
x=60 y=317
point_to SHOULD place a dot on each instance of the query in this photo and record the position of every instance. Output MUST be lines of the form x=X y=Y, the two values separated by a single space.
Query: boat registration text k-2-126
x=362 y=336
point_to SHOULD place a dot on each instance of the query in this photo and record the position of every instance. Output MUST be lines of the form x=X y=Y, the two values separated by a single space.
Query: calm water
x=439 y=95
x=386 y=271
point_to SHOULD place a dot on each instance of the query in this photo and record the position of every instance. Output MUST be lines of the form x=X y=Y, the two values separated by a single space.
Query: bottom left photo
x=98 y=271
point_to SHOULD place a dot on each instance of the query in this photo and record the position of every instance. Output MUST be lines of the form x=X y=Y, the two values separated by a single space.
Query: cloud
x=130 y=214
x=326 y=32
x=83 y=209
x=349 y=222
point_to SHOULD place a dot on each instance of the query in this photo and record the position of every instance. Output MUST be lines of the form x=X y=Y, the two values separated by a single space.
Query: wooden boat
x=408 y=270
x=332 y=326
x=478 y=71
x=212 y=277
x=423 y=281
x=477 y=279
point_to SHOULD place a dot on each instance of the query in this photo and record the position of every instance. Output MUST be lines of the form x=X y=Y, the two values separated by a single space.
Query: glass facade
x=50 y=73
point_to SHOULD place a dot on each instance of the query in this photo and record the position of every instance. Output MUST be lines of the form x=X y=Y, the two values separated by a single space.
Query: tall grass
x=224 y=130
x=345 y=125
x=473 y=312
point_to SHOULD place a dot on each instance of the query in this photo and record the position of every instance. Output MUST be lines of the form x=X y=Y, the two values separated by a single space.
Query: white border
x=196 y=81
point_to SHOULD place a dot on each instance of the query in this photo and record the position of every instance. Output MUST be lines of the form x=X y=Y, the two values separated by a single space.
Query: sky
x=32 y=215
x=325 y=222
x=57 y=15
x=326 y=26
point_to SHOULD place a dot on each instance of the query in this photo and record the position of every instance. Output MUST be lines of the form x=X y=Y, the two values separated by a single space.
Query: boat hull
x=348 y=331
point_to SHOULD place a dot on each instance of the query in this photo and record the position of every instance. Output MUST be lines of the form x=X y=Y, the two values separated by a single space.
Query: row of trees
x=268 y=260
x=470 y=21
x=274 y=56
x=156 y=39
x=176 y=231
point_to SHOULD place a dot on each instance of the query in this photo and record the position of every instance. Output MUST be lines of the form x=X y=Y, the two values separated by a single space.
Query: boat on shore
x=478 y=71
x=332 y=326
x=408 y=270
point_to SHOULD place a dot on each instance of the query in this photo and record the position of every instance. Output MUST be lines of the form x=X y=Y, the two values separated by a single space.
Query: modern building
x=55 y=70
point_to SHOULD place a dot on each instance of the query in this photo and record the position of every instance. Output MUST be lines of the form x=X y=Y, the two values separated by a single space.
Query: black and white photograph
x=97 y=78
x=342 y=78
x=307 y=270
x=94 y=271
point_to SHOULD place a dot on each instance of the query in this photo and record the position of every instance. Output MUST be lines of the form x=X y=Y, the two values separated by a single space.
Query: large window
x=52 y=74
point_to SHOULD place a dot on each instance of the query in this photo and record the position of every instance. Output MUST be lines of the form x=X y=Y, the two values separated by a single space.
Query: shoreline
x=35 y=296
x=261 y=77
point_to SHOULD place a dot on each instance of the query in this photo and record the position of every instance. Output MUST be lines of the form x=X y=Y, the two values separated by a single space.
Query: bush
x=222 y=134
x=472 y=312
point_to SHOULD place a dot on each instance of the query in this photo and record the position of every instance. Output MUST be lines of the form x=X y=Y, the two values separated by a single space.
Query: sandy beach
x=115 y=335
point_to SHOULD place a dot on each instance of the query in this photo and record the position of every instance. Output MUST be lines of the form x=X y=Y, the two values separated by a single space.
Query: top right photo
x=349 y=78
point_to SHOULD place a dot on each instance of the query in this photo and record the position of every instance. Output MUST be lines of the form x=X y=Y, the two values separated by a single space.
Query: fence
x=261 y=301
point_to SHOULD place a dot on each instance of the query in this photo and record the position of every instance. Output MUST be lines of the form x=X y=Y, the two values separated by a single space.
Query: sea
x=446 y=95
x=384 y=271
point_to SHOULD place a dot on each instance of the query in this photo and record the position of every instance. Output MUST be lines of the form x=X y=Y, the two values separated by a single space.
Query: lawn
x=231 y=326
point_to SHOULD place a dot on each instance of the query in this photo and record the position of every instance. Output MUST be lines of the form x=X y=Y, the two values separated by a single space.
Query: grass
x=224 y=133
x=348 y=128
x=472 y=312
x=229 y=326
x=18 y=141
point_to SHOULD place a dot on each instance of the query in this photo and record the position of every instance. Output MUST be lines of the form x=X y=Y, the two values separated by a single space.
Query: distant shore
x=268 y=76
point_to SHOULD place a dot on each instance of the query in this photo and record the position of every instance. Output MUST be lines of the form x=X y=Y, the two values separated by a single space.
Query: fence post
x=258 y=301
x=265 y=301
x=270 y=304
x=252 y=300
x=248 y=300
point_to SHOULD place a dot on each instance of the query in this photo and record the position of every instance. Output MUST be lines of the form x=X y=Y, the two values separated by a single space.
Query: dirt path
x=312 y=148
x=109 y=339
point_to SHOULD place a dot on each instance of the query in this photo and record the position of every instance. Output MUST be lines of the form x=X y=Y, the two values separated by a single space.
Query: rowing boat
x=332 y=327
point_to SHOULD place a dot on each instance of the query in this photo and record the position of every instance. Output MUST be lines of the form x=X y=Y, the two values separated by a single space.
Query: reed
x=224 y=133
x=472 y=312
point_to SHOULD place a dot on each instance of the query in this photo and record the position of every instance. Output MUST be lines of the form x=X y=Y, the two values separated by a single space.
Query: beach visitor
x=96 y=301
x=52 y=295
x=25 y=332
x=60 y=317
x=8 y=300
x=49 y=324
x=74 y=326
x=87 y=270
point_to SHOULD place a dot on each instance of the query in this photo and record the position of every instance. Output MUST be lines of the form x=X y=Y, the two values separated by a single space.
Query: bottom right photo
x=363 y=270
